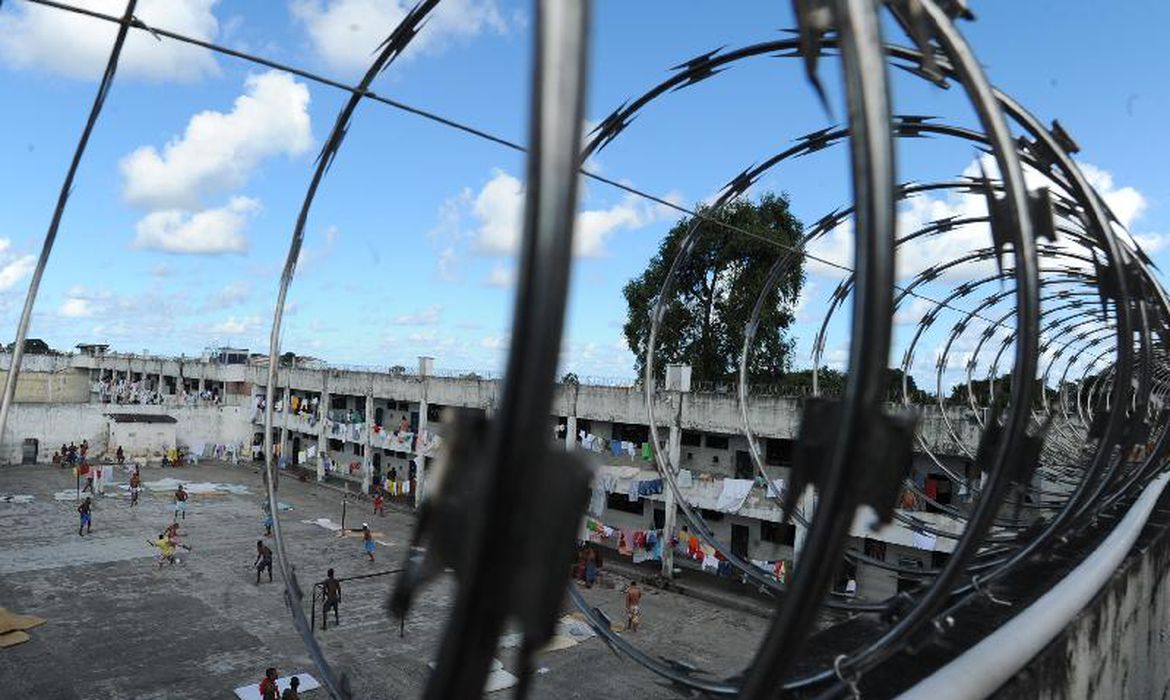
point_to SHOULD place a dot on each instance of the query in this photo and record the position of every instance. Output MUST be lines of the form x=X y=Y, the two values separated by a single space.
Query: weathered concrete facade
x=351 y=435
x=1119 y=645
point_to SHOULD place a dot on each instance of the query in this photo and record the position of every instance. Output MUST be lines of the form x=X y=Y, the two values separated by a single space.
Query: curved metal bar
x=872 y=158
x=34 y=284
x=558 y=104
x=337 y=686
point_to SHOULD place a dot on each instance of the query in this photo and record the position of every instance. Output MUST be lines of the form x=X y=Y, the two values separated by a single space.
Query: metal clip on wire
x=850 y=682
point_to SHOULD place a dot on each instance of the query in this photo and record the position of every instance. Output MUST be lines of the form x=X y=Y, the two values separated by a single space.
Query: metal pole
x=673 y=448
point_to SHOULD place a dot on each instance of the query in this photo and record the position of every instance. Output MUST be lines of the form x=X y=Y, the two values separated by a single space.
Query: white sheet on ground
x=252 y=692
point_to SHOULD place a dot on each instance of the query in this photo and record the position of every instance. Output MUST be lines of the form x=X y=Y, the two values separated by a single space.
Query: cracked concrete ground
x=119 y=628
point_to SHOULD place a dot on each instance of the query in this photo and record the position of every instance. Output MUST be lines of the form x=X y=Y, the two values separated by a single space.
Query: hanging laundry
x=776 y=488
x=632 y=494
x=735 y=492
x=597 y=502
x=685 y=479
x=639 y=539
x=630 y=448
x=615 y=448
x=623 y=543
x=646 y=452
x=649 y=488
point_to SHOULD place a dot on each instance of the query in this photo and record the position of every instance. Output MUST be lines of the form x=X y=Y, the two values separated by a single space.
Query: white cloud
x=79 y=47
x=218 y=152
x=496 y=342
x=921 y=210
x=426 y=317
x=76 y=308
x=501 y=276
x=13 y=270
x=347 y=33
x=498 y=209
x=208 y=232
x=231 y=295
x=234 y=326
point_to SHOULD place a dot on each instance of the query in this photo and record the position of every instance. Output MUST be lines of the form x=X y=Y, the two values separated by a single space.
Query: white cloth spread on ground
x=15 y=498
x=252 y=692
x=325 y=523
x=735 y=492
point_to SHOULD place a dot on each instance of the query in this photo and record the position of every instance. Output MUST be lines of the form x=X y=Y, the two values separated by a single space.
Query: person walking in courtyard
x=121 y=456
x=368 y=541
x=86 y=518
x=268 y=689
x=267 y=518
x=292 y=692
x=332 y=589
x=86 y=471
x=263 y=560
x=135 y=487
x=180 y=502
x=633 y=606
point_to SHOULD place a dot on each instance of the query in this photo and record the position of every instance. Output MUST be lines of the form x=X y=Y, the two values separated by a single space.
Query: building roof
x=141 y=418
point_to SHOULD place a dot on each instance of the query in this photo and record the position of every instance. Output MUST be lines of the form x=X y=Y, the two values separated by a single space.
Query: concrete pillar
x=322 y=431
x=420 y=461
x=571 y=433
x=806 y=505
x=367 y=456
x=673 y=448
x=678 y=383
x=284 y=421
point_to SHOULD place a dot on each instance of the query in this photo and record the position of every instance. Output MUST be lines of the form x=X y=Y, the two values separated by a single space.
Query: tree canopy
x=716 y=289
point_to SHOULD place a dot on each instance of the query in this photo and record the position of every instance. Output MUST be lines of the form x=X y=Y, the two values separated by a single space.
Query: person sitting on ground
x=291 y=692
x=268 y=689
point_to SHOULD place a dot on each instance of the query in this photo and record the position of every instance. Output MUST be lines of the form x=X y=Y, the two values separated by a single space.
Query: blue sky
x=180 y=218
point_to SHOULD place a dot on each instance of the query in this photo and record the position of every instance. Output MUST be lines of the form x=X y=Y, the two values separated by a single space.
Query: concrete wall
x=141 y=440
x=59 y=386
x=1119 y=645
x=55 y=424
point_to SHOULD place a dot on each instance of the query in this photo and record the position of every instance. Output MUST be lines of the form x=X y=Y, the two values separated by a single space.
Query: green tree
x=716 y=289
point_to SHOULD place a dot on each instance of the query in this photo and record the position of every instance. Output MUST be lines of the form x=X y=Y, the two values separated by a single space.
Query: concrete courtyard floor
x=120 y=628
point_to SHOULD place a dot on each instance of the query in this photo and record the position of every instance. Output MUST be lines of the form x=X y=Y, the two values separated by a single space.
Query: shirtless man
x=135 y=486
x=332 y=600
x=180 y=502
x=263 y=560
x=633 y=606
x=368 y=541
x=86 y=517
